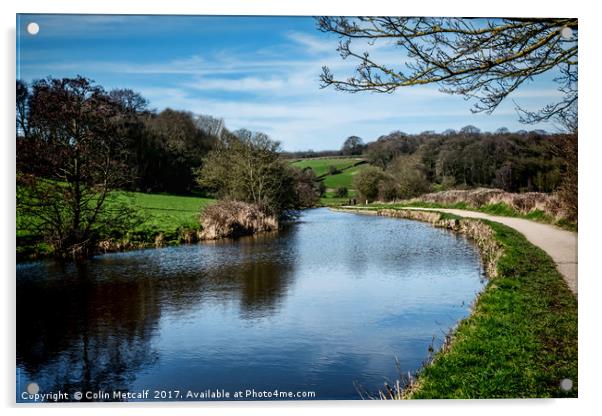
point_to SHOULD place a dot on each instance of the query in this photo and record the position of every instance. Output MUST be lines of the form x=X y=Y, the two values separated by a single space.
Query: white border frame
x=590 y=146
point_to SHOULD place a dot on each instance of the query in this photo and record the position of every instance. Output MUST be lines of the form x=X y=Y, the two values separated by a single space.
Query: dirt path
x=560 y=245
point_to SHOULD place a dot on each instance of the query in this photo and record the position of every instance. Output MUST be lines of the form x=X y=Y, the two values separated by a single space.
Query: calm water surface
x=325 y=306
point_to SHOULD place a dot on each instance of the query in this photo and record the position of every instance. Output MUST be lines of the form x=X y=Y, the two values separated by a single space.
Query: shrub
x=367 y=181
x=388 y=189
x=306 y=188
x=333 y=170
x=410 y=177
x=235 y=219
x=341 y=192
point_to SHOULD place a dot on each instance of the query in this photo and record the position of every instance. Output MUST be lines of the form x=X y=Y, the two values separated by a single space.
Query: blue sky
x=260 y=73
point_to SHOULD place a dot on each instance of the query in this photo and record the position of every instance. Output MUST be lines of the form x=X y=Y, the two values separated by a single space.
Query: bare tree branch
x=481 y=59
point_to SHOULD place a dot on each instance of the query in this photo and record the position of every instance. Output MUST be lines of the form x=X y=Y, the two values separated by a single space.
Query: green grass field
x=166 y=213
x=344 y=178
x=156 y=214
x=349 y=167
x=322 y=166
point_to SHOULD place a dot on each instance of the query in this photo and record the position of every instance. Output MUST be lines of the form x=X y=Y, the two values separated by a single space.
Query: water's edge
x=477 y=231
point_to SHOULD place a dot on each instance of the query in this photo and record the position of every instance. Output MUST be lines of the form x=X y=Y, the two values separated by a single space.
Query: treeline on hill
x=510 y=161
x=405 y=166
x=77 y=144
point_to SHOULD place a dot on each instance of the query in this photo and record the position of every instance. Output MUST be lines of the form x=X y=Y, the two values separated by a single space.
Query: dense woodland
x=158 y=149
x=515 y=162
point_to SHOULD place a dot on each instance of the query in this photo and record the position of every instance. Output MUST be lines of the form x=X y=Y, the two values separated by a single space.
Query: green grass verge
x=333 y=201
x=521 y=338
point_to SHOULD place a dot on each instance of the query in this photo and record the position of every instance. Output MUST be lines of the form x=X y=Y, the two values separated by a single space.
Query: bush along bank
x=231 y=219
x=520 y=340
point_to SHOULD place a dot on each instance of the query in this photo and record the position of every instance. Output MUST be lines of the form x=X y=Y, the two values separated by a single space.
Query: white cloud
x=246 y=84
x=324 y=119
x=277 y=91
x=311 y=44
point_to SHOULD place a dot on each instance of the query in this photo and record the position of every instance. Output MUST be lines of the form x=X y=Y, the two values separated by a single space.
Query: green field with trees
x=336 y=174
x=327 y=166
x=91 y=162
x=399 y=166
x=79 y=157
x=343 y=179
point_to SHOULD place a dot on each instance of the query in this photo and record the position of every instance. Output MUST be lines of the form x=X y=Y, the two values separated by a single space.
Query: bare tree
x=71 y=161
x=22 y=109
x=246 y=166
x=470 y=130
x=482 y=59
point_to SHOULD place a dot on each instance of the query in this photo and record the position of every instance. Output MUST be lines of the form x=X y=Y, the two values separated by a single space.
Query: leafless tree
x=70 y=162
x=481 y=59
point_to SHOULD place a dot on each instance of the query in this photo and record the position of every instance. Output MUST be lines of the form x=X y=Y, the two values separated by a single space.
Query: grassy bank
x=164 y=218
x=332 y=201
x=521 y=338
x=500 y=209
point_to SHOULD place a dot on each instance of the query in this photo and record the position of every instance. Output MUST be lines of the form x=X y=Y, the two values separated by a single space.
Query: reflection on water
x=332 y=300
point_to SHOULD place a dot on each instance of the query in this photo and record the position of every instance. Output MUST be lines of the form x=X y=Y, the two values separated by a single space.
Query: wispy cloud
x=312 y=44
x=265 y=81
x=246 y=84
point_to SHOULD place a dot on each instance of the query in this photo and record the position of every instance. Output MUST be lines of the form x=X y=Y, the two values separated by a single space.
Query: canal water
x=333 y=305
